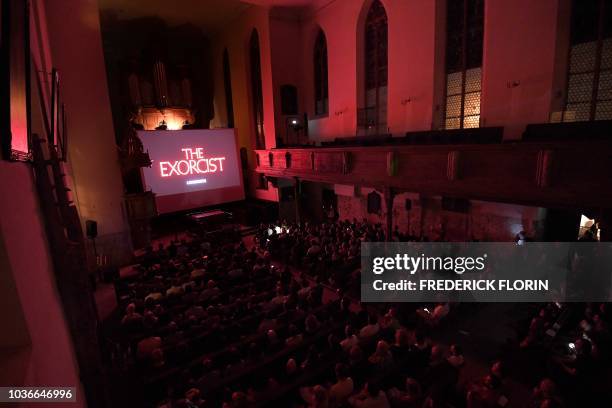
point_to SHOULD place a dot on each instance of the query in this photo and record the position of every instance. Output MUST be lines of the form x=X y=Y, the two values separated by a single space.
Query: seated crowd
x=210 y=322
x=574 y=343
x=330 y=252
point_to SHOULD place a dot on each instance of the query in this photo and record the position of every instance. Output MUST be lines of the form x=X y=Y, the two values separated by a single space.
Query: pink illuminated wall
x=285 y=33
x=524 y=69
x=76 y=49
x=524 y=42
x=341 y=35
x=412 y=61
x=43 y=354
x=236 y=39
x=520 y=62
x=524 y=45
x=414 y=47
x=35 y=344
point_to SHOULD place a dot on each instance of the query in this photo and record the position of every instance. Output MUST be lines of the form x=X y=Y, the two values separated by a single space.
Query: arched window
x=227 y=84
x=320 y=75
x=374 y=115
x=464 y=39
x=256 y=90
x=589 y=83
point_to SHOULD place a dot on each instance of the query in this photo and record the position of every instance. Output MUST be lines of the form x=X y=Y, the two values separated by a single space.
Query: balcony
x=565 y=174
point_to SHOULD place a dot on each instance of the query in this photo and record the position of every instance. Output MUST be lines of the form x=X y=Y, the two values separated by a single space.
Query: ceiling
x=285 y=3
x=210 y=15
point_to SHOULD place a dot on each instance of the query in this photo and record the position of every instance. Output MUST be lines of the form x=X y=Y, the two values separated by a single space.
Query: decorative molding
x=347 y=159
x=544 y=168
x=392 y=163
x=452 y=166
x=271 y=159
x=287 y=160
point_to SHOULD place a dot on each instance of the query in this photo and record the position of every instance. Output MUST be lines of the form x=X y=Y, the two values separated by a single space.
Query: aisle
x=485 y=334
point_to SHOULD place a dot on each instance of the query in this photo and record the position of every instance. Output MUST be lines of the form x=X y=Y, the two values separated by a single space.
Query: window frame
x=376 y=22
x=321 y=75
x=597 y=70
x=256 y=89
x=472 y=37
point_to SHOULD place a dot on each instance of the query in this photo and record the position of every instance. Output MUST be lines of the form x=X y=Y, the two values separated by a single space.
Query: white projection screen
x=192 y=168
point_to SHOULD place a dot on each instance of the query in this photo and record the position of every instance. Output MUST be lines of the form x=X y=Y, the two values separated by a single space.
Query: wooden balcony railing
x=551 y=174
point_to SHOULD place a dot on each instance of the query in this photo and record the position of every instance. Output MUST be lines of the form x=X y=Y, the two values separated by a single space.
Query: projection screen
x=192 y=168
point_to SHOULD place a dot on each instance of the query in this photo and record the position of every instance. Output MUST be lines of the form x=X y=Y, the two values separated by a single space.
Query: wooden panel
x=431 y=165
x=515 y=168
x=328 y=162
x=591 y=168
x=300 y=160
x=555 y=174
x=279 y=159
x=370 y=166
